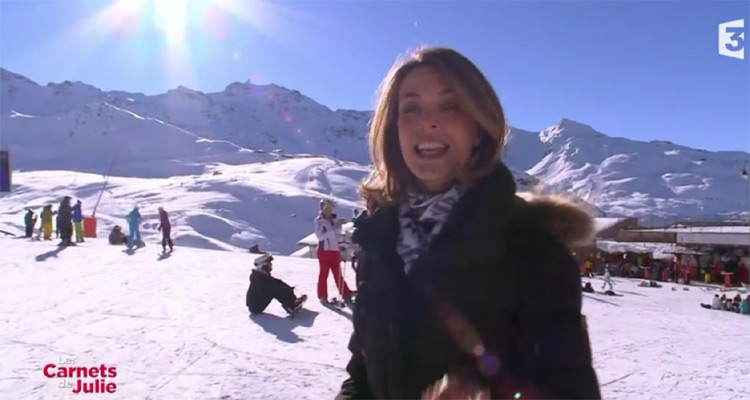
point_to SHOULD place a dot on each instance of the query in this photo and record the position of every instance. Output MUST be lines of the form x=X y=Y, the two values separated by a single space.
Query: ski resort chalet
x=623 y=242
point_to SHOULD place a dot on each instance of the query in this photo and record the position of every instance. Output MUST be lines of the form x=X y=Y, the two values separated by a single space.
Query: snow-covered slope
x=228 y=207
x=266 y=117
x=177 y=328
x=174 y=328
x=656 y=179
x=220 y=206
x=75 y=126
x=92 y=137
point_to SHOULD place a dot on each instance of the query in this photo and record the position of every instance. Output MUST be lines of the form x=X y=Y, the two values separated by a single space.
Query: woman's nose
x=428 y=126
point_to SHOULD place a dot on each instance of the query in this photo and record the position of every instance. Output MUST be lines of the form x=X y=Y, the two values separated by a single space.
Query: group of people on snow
x=736 y=304
x=443 y=232
x=587 y=288
x=69 y=221
x=331 y=245
x=675 y=270
x=133 y=218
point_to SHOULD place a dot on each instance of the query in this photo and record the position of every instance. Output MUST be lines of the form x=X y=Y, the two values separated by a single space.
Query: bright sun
x=172 y=17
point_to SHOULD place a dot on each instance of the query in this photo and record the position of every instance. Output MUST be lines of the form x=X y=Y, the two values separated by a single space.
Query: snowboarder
x=29 y=221
x=328 y=231
x=134 y=225
x=607 y=279
x=78 y=221
x=264 y=288
x=65 y=222
x=166 y=228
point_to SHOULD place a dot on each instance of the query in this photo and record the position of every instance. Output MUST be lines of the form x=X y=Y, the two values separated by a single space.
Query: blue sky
x=639 y=69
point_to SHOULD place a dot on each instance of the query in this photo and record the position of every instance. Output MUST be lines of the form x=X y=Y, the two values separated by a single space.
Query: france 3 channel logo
x=732 y=39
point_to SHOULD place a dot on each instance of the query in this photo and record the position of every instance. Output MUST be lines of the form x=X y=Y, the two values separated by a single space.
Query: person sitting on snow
x=588 y=288
x=264 y=288
x=715 y=303
x=745 y=306
x=735 y=306
x=117 y=236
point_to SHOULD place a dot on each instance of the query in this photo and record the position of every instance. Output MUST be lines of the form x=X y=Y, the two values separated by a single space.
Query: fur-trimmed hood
x=492 y=203
x=559 y=215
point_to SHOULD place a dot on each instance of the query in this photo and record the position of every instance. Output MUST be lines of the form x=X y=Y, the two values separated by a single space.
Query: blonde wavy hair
x=391 y=178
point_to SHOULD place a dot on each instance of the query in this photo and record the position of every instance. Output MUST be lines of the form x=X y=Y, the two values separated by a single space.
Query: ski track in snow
x=178 y=328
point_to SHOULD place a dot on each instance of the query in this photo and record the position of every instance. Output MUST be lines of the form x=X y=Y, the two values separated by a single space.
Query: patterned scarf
x=421 y=218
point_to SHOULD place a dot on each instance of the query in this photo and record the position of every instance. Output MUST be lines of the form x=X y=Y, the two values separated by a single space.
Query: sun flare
x=171 y=16
x=173 y=33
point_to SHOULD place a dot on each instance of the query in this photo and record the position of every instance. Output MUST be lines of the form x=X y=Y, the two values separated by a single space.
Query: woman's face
x=435 y=135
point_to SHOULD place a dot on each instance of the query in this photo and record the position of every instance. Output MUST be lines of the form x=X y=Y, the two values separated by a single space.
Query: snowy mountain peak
x=183 y=89
x=239 y=87
x=76 y=88
x=568 y=128
x=184 y=131
x=8 y=77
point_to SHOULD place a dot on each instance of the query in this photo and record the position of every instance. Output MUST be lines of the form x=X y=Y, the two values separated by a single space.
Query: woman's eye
x=409 y=108
x=450 y=107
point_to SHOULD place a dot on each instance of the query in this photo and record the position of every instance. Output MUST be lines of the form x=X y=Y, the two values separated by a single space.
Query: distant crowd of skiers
x=69 y=219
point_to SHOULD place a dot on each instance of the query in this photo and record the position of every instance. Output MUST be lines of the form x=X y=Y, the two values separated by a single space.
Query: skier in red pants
x=328 y=231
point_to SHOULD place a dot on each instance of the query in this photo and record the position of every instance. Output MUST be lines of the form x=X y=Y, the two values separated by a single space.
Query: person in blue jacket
x=134 y=223
x=745 y=306
x=78 y=221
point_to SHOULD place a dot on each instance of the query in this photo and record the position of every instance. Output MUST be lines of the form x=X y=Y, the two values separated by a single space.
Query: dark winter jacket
x=164 y=220
x=261 y=283
x=500 y=263
x=77 y=213
x=29 y=220
x=64 y=213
